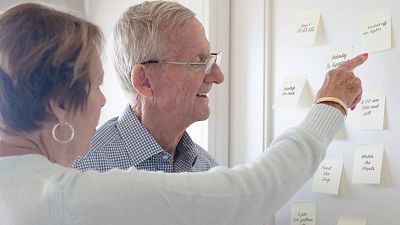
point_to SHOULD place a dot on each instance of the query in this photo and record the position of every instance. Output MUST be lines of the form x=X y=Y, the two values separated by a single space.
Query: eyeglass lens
x=210 y=62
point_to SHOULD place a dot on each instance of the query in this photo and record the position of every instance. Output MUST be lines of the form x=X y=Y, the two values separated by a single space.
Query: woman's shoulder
x=29 y=167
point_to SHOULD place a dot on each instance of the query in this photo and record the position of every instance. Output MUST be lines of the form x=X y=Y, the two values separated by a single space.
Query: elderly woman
x=50 y=101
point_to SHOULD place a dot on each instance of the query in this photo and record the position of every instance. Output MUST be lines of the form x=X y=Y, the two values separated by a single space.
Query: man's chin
x=204 y=116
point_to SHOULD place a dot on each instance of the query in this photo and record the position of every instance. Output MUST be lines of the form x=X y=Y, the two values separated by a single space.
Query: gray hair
x=141 y=34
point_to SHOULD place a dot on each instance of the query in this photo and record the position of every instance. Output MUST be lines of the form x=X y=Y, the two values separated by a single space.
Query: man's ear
x=58 y=110
x=140 y=81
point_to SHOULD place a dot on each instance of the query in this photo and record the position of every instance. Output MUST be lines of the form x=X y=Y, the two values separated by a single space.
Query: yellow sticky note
x=337 y=57
x=367 y=164
x=371 y=110
x=290 y=92
x=327 y=178
x=303 y=213
x=351 y=220
x=306 y=28
x=376 y=28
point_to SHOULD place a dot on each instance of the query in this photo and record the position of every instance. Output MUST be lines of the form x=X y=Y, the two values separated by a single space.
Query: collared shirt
x=123 y=142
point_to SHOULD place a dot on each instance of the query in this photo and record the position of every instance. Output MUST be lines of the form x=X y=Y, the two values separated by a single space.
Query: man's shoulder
x=106 y=133
x=205 y=156
x=106 y=147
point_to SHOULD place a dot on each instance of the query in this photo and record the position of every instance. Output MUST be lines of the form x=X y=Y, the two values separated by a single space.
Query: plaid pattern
x=123 y=142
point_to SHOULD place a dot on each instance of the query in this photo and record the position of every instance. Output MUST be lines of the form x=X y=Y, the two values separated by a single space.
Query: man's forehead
x=188 y=52
x=185 y=42
x=188 y=44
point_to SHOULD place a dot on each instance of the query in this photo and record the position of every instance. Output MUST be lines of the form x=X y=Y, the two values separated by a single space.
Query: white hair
x=140 y=35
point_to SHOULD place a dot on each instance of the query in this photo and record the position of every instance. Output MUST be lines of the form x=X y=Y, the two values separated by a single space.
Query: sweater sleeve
x=243 y=195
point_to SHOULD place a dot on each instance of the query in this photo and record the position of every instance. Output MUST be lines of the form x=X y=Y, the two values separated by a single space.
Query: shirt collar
x=141 y=145
x=187 y=150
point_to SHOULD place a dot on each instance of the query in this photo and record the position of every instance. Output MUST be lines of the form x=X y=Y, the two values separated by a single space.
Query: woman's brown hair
x=45 y=55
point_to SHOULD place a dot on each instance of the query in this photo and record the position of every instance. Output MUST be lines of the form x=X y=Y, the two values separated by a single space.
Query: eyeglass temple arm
x=156 y=61
x=149 y=62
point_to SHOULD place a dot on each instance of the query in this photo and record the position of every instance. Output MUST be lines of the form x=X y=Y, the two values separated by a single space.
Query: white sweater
x=35 y=191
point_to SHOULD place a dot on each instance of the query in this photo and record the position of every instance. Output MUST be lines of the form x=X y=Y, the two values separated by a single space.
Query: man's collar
x=140 y=144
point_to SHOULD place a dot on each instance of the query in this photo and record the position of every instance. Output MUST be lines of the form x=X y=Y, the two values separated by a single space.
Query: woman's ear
x=140 y=81
x=58 y=110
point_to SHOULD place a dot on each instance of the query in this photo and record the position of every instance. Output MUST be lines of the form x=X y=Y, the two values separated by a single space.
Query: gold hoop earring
x=53 y=132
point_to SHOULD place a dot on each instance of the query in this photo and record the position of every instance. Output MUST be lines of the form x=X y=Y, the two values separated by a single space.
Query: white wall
x=246 y=80
x=341 y=22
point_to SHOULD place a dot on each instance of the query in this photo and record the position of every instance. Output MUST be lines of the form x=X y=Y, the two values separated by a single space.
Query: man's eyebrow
x=203 y=56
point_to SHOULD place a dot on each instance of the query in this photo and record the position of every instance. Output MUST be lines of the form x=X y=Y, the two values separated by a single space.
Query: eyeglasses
x=208 y=63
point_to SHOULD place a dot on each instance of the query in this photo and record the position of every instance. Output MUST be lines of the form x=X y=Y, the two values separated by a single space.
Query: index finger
x=354 y=62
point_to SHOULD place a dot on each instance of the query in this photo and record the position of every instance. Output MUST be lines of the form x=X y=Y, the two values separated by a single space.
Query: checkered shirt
x=123 y=142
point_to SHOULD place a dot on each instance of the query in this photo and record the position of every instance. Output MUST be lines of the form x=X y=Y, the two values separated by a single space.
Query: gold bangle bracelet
x=333 y=99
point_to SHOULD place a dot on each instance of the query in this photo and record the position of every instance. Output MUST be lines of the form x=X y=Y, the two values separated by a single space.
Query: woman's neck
x=12 y=144
x=36 y=142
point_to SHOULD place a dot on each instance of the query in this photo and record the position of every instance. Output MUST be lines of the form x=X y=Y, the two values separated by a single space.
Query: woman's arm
x=244 y=195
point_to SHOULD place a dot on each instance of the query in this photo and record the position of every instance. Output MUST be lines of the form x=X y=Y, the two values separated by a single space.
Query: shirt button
x=165 y=157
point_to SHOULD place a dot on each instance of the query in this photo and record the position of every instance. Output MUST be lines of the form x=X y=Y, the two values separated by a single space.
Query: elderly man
x=163 y=61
